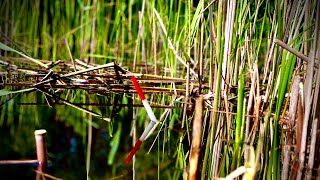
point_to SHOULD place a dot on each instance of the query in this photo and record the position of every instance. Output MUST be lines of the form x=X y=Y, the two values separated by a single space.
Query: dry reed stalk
x=257 y=103
x=229 y=24
x=308 y=95
x=292 y=116
x=307 y=110
x=249 y=109
x=143 y=51
x=314 y=114
x=102 y=88
x=312 y=150
x=216 y=151
x=270 y=54
x=299 y=124
x=271 y=60
x=89 y=69
x=254 y=95
x=207 y=7
x=154 y=43
x=293 y=105
x=184 y=115
x=231 y=10
x=70 y=54
x=286 y=160
x=316 y=49
x=196 y=139
x=104 y=104
x=139 y=34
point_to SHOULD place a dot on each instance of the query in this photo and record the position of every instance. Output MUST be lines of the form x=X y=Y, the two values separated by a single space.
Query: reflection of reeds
x=245 y=55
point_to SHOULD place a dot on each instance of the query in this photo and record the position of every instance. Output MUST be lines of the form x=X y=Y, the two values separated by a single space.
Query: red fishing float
x=152 y=124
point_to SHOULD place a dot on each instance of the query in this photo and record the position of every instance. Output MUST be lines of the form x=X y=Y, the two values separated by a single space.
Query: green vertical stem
x=212 y=129
x=239 y=123
x=201 y=48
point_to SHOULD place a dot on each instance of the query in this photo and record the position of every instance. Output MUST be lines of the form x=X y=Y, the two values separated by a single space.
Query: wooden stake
x=41 y=152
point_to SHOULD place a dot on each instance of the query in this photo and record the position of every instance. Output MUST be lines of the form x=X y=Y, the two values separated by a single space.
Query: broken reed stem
x=70 y=54
x=295 y=52
x=89 y=69
x=196 y=139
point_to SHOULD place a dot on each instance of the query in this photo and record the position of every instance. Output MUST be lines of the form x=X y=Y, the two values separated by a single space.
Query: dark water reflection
x=66 y=151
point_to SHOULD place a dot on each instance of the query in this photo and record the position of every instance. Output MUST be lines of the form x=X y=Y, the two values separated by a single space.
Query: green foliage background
x=160 y=38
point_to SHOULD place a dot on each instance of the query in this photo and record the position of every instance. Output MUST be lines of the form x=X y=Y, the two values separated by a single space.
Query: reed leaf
x=4 y=92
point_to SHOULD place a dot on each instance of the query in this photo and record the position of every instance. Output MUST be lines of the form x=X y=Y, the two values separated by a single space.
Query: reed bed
x=254 y=63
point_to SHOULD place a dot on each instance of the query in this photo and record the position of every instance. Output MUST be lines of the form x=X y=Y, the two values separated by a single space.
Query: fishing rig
x=25 y=74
